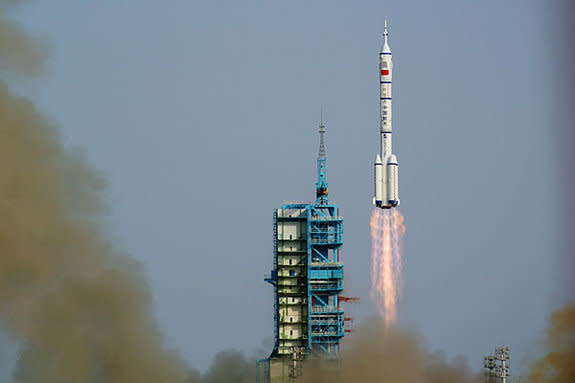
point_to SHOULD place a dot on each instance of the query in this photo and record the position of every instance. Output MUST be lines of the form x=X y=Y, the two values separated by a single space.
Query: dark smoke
x=376 y=354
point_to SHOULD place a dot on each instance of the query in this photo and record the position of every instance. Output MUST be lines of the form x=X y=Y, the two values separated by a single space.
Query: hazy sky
x=203 y=117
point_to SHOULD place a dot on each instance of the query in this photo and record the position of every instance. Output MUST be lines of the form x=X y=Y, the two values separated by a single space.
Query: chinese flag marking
x=385 y=72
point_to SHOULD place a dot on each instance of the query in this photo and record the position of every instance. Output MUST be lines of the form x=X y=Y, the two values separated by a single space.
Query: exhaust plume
x=378 y=353
x=80 y=310
x=559 y=363
x=19 y=54
x=230 y=367
x=387 y=230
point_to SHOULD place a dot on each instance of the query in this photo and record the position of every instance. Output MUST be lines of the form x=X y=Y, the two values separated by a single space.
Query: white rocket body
x=386 y=165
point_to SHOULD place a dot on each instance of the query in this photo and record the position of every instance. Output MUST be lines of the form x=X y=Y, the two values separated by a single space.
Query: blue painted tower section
x=307 y=277
x=325 y=279
x=325 y=269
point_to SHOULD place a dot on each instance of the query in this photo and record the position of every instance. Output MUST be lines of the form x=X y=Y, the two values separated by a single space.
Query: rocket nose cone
x=385 y=48
x=378 y=159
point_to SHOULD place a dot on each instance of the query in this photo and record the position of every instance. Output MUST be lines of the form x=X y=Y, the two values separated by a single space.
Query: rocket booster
x=386 y=165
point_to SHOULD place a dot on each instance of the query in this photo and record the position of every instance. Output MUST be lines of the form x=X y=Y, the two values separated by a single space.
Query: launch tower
x=307 y=278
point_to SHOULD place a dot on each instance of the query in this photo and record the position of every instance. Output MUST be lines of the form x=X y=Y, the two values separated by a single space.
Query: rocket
x=386 y=194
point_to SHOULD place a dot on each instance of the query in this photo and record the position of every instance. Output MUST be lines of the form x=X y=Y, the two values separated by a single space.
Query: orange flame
x=387 y=230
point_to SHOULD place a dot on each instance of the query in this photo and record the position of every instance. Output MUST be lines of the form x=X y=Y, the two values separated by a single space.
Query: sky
x=203 y=117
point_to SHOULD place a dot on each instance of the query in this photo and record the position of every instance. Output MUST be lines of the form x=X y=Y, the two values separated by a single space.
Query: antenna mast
x=321 y=184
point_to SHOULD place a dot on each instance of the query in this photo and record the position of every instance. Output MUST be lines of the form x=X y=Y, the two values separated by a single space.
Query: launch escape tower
x=307 y=278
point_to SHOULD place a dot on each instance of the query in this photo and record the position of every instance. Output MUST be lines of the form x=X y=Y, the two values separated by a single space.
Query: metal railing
x=325 y=333
x=330 y=239
x=326 y=286
x=326 y=218
x=328 y=264
x=326 y=309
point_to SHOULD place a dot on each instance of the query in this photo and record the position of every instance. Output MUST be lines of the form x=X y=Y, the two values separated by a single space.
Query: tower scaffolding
x=307 y=278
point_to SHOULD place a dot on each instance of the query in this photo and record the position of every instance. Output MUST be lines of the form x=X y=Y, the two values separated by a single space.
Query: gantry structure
x=307 y=278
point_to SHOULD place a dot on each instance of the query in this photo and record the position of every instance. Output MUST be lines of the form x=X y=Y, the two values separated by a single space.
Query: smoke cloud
x=230 y=367
x=80 y=310
x=19 y=54
x=558 y=365
x=377 y=354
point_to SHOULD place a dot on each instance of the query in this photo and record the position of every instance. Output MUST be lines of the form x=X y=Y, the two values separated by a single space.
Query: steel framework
x=307 y=277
